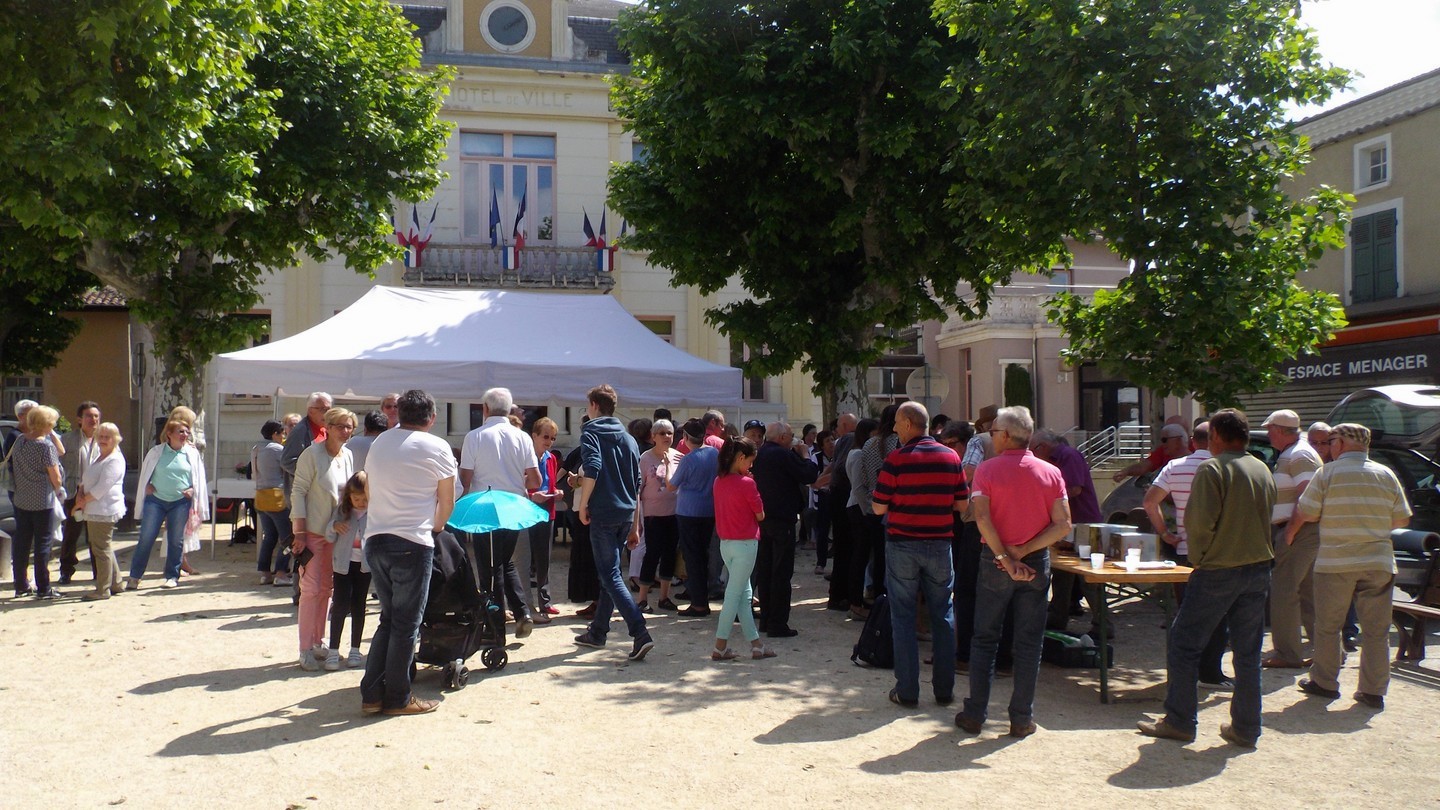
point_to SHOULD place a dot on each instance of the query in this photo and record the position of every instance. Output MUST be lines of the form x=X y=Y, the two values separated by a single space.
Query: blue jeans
x=1235 y=596
x=607 y=539
x=275 y=533
x=913 y=567
x=996 y=592
x=174 y=514
x=400 y=573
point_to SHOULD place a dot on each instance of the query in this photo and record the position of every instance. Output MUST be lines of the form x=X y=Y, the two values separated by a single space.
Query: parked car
x=1400 y=416
x=7 y=510
x=1418 y=474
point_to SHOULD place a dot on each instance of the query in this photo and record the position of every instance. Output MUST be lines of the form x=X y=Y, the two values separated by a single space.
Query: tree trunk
x=853 y=394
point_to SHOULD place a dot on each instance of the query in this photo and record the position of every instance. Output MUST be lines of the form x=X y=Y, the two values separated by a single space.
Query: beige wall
x=96 y=366
x=1415 y=184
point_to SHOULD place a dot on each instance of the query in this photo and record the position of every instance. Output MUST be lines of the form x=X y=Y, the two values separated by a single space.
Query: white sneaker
x=332 y=661
x=308 y=662
x=283 y=581
x=356 y=660
x=170 y=583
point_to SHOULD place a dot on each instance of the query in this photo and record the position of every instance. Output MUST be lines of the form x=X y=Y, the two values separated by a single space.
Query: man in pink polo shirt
x=1020 y=506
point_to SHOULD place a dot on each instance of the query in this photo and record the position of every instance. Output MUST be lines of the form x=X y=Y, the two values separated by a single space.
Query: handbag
x=271 y=499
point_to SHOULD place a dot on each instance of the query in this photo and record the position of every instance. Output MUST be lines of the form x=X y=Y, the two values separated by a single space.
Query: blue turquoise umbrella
x=490 y=510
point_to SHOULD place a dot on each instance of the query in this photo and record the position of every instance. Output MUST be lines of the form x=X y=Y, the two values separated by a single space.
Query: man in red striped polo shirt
x=918 y=490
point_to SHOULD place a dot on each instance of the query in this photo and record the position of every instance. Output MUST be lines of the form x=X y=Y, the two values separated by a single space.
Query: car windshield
x=1415 y=471
x=1390 y=420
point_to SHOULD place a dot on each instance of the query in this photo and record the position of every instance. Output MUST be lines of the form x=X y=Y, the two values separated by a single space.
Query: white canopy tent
x=456 y=344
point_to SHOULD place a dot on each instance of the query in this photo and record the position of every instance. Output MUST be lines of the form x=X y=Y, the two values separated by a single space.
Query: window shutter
x=1387 y=281
x=1362 y=259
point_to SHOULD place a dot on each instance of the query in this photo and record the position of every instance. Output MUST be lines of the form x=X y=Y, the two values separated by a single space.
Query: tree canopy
x=860 y=164
x=180 y=151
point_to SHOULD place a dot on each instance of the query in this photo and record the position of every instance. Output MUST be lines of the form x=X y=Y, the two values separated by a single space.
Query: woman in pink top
x=738 y=512
x=656 y=514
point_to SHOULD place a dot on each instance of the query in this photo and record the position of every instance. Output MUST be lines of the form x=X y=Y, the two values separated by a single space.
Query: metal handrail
x=1117 y=441
x=1100 y=447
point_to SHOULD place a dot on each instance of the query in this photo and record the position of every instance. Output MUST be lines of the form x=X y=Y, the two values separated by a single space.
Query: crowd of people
x=953 y=524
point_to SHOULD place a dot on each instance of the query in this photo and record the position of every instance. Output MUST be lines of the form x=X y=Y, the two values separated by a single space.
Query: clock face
x=508 y=26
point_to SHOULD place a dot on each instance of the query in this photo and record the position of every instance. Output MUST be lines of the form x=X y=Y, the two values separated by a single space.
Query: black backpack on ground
x=876 y=646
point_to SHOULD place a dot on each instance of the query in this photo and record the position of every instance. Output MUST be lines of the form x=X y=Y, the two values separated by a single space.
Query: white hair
x=662 y=424
x=1016 y=421
x=498 y=401
x=775 y=431
x=23 y=407
x=318 y=397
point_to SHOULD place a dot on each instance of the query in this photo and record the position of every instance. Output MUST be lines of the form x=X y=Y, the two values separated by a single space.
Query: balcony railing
x=455 y=265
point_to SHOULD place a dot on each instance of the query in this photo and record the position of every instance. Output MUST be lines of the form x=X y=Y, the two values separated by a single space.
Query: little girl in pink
x=738 y=512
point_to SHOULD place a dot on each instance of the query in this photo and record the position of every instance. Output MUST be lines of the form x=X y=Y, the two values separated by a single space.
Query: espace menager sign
x=1396 y=361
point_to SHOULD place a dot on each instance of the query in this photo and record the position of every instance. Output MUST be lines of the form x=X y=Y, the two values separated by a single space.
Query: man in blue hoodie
x=610 y=462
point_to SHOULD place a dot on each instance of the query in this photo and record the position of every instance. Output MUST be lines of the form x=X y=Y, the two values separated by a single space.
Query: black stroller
x=463 y=613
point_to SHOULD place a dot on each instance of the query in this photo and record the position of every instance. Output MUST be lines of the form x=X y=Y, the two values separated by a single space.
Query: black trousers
x=71 y=533
x=774 y=569
x=841 y=551
x=351 y=588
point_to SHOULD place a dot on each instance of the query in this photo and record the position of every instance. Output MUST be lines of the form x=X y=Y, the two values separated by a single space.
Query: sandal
x=726 y=654
x=762 y=651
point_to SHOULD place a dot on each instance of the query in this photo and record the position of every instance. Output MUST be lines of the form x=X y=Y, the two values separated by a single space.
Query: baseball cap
x=754 y=423
x=1173 y=432
x=1283 y=418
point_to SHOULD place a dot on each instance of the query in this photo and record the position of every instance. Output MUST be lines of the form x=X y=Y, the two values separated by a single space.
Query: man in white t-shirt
x=499 y=456
x=412 y=492
x=1174 y=480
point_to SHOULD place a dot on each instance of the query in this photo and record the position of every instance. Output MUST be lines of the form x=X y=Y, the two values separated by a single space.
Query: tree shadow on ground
x=310 y=719
x=942 y=753
x=1168 y=764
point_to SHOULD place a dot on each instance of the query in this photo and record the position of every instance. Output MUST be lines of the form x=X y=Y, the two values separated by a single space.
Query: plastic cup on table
x=1083 y=551
x=1097 y=561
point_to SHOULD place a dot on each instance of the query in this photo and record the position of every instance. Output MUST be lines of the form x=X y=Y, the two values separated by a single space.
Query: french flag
x=589 y=231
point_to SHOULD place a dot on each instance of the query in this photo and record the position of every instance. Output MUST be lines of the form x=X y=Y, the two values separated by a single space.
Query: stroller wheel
x=494 y=658
x=462 y=677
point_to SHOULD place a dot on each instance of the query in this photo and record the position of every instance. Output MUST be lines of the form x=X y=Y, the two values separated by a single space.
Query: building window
x=500 y=170
x=663 y=327
x=1374 y=257
x=1372 y=164
x=507 y=26
x=752 y=389
x=1059 y=281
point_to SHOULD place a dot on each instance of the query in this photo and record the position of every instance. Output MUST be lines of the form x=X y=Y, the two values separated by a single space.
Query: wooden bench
x=1415 y=614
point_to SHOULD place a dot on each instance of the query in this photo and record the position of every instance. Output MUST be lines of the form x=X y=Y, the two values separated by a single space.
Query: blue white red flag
x=589 y=231
x=494 y=220
x=421 y=239
x=600 y=242
x=518 y=232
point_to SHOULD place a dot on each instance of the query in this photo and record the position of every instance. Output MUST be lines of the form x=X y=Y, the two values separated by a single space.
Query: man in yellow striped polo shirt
x=1357 y=503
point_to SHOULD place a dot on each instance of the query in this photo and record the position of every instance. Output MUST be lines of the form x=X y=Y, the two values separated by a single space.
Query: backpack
x=876 y=646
